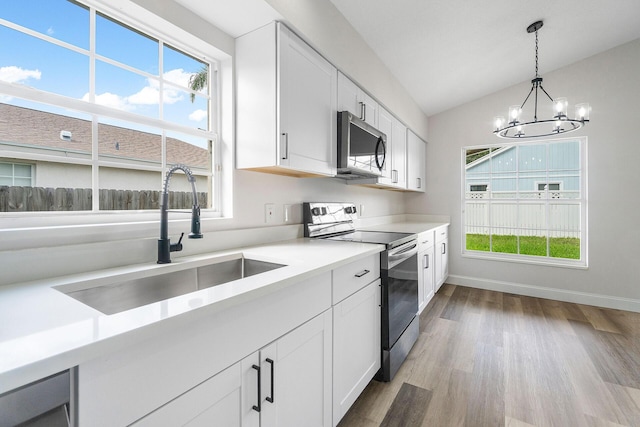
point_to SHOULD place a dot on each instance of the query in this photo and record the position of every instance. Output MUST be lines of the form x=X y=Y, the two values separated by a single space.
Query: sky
x=37 y=63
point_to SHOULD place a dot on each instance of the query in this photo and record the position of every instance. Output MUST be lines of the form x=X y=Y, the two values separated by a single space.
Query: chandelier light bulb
x=582 y=111
x=498 y=122
x=514 y=114
x=560 y=106
x=556 y=128
x=519 y=131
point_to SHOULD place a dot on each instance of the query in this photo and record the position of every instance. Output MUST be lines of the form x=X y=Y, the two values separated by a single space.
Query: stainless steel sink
x=120 y=296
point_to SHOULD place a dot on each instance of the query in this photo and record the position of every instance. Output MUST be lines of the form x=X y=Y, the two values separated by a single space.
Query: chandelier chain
x=537 y=54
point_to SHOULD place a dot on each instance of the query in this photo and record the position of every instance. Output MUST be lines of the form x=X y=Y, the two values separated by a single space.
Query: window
x=478 y=187
x=533 y=208
x=15 y=174
x=101 y=123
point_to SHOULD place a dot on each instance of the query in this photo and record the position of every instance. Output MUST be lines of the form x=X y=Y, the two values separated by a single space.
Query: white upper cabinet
x=353 y=99
x=395 y=165
x=385 y=125
x=286 y=105
x=416 y=149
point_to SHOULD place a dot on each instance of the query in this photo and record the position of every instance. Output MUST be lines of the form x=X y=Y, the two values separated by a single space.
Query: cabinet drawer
x=426 y=239
x=354 y=276
x=442 y=233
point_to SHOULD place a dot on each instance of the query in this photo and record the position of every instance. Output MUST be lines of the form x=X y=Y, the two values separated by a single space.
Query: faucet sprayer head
x=195 y=223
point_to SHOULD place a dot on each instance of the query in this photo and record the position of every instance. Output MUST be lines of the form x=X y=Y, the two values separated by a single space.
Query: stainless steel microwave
x=362 y=149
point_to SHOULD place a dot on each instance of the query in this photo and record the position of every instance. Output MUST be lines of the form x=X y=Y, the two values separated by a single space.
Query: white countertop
x=43 y=331
x=405 y=227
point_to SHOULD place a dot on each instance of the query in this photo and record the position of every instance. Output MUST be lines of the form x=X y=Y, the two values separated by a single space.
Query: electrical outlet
x=269 y=213
x=287 y=213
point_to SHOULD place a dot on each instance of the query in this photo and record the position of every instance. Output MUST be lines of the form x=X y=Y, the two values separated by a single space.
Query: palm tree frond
x=199 y=81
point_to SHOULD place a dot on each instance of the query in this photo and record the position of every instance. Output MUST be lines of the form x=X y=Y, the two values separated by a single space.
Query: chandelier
x=514 y=128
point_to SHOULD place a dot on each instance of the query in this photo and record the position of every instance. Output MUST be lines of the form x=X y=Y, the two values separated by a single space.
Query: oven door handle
x=394 y=258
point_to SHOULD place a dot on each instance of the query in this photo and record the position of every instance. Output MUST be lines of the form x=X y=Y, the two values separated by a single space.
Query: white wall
x=254 y=189
x=610 y=83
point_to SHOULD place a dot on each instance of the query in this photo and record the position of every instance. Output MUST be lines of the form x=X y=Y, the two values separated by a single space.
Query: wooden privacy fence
x=35 y=199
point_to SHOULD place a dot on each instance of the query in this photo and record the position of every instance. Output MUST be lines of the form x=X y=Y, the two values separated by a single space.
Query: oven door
x=400 y=291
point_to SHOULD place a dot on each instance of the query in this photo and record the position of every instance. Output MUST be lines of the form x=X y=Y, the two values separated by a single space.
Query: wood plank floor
x=488 y=358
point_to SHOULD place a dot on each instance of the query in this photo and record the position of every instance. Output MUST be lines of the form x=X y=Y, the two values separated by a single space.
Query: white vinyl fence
x=532 y=215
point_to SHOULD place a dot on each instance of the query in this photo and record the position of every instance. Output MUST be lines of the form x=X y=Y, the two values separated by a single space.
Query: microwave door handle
x=379 y=144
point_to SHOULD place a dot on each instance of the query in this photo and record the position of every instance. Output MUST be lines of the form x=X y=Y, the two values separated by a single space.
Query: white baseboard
x=586 y=298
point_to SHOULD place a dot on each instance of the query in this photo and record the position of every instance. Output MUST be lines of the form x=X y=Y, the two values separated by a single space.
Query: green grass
x=559 y=247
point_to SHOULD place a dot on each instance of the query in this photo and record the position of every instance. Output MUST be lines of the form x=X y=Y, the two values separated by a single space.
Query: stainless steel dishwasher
x=48 y=402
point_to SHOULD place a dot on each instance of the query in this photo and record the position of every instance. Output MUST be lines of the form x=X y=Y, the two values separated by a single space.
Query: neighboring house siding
x=531 y=160
x=28 y=132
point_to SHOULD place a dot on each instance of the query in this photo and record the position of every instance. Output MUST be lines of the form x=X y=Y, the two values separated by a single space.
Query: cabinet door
x=426 y=277
x=356 y=346
x=216 y=402
x=369 y=109
x=399 y=154
x=298 y=380
x=307 y=107
x=353 y=99
x=442 y=263
x=415 y=162
x=385 y=125
x=348 y=98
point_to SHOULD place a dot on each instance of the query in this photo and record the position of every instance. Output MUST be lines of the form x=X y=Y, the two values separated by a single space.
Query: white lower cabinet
x=288 y=382
x=426 y=264
x=356 y=346
x=442 y=256
x=123 y=386
x=215 y=402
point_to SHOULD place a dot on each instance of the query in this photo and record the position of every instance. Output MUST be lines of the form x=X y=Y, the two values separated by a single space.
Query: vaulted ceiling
x=449 y=52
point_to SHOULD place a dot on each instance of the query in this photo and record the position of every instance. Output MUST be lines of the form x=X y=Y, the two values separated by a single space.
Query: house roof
x=33 y=128
x=488 y=156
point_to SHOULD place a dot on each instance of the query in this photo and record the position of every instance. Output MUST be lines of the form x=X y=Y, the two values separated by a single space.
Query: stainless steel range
x=398 y=272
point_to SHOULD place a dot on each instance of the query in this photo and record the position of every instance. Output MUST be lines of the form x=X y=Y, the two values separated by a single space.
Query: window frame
x=547 y=260
x=151 y=25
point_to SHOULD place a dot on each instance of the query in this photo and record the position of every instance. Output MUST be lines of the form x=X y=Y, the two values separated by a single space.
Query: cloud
x=198 y=115
x=111 y=100
x=150 y=95
x=50 y=31
x=178 y=76
x=13 y=74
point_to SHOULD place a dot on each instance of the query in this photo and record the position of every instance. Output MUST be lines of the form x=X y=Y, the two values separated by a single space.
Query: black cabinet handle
x=271 y=398
x=426 y=261
x=362 y=273
x=257 y=408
